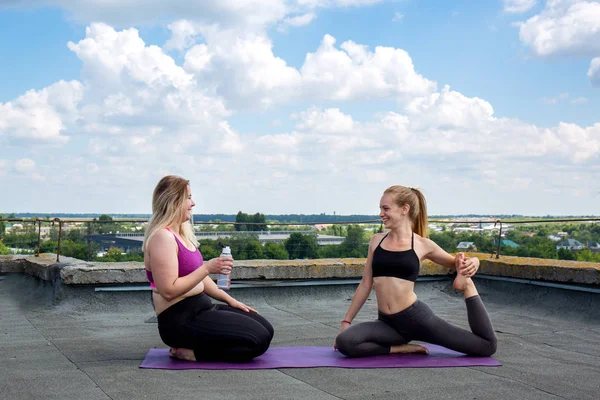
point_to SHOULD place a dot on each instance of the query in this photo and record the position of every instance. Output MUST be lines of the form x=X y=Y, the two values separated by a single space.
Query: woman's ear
x=405 y=209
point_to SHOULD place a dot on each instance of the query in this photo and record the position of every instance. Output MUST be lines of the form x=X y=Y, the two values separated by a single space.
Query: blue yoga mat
x=312 y=357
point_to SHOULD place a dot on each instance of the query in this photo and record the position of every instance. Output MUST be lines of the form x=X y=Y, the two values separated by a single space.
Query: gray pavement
x=84 y=344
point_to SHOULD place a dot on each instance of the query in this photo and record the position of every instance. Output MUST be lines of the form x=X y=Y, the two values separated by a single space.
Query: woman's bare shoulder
x=376 y=238
x=161 y=238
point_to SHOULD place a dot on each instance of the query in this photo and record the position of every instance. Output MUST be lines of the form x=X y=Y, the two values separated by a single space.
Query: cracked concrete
x=88 y=345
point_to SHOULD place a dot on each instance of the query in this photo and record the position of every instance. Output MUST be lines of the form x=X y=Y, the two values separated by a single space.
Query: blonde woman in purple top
x=188 y=321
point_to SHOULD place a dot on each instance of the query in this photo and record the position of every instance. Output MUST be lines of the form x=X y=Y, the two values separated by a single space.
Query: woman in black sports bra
x=392 y=268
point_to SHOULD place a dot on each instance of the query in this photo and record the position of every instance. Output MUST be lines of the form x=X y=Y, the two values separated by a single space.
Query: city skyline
x=301 y=106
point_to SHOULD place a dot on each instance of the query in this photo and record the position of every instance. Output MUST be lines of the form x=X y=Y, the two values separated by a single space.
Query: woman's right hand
x=219 y=265
x=345 y=325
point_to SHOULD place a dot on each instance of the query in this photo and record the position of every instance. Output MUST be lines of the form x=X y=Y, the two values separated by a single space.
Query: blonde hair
x=168 y=199
x=416 y=201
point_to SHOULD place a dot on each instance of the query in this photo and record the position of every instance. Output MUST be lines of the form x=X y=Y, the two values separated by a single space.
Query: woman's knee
x=487 y=350
x=345 y=344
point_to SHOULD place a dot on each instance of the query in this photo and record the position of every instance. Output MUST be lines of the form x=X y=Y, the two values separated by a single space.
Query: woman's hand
x=345 y=325
x=466 y=267
x=219 y=265
x=238 y=304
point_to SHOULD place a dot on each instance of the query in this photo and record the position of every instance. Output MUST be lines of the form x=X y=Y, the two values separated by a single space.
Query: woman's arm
x=364 y=287
x=165 y=268
x=211 y=289
x=465 y=266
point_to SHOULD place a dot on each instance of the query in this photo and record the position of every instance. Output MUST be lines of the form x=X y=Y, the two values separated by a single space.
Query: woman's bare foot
x=465 y=285
x=409 y=349
x=182 y=354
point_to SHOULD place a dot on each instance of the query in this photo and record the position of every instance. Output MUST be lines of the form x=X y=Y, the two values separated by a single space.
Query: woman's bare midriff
x=393 y=294
x=161 y=304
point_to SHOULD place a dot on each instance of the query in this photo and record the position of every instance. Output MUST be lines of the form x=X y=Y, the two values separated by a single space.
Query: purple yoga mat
x=311 y=357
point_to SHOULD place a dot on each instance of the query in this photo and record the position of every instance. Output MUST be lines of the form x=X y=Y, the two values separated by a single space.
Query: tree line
x=532 y=239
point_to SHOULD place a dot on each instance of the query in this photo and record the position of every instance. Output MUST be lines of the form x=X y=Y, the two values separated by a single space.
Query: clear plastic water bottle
x=224 y=280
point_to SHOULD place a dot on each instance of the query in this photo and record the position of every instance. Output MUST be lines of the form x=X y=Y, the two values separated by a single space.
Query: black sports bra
x=398 y=264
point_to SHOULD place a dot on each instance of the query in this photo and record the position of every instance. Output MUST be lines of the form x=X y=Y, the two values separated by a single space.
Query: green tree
x=446 y=240
x=104 y=225
x=240 y=218
x=245 y=246
x=565 y=254
x=258 y=218
x=69 y=248
x=2 y=226
x=21 y=240
x=210 y=249
x=354 y=245
x=258 y=221
x=300 y=246
x=275 y=251
x=3 y=249
x=587 y=255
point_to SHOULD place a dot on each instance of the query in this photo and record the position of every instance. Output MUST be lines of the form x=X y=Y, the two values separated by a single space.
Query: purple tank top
x=188 y=260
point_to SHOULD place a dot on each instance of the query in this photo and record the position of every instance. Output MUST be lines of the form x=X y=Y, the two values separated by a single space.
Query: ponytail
x=420 y=220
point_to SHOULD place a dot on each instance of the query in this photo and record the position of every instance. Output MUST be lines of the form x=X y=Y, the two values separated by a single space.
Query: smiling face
x=391 y=213
x=187 y=206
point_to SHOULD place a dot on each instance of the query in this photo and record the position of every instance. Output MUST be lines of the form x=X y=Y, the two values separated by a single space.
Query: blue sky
x=475 y=103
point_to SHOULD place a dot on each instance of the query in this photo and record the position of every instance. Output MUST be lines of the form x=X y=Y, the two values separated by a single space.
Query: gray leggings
x=418 y=322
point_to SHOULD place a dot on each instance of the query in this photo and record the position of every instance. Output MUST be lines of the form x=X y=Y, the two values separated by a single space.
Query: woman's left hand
x=242 y=306
x=469 y=267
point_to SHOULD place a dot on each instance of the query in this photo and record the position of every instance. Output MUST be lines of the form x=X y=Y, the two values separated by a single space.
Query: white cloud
x=518 y=6
x=556 y=99
x=24 y=165
x=331 y=120
x=594 y=71
x=564 y=97
x=242 y=14
x=579 y=100
x=40 y=117
x=246 y=13
x=182 y=35
x=398 y=17
x=564 y=27
x=263 y=80
x=353 y=71
x=299 y=20
x=197 y=58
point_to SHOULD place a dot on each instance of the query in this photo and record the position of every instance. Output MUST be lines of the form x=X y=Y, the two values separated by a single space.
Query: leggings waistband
x=192 y=304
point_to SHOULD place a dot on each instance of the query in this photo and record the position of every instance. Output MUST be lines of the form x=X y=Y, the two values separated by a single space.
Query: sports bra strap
x=412 y=243
x=379 y=245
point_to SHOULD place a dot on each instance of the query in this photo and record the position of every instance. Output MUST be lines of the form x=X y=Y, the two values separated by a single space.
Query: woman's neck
x=175 y=228
x=401 y=232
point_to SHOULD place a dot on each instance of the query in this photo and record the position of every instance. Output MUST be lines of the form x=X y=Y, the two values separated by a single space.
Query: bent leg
x=480 y=342
x=229 y=334
x=255 y=316
x=368 y=339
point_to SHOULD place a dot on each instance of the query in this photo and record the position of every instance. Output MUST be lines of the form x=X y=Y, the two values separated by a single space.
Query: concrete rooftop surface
x=88 y=344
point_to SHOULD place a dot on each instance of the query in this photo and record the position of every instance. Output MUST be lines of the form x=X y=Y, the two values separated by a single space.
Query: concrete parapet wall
x=76 y=272
x=564 y=271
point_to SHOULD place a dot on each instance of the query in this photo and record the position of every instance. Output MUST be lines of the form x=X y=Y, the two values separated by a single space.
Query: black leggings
x=214 y=332
x=418 y=322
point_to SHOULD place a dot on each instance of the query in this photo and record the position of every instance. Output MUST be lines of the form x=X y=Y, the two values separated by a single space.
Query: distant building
x=509 y=243
x=593 y=246
x=466 y=246
x=570 y=244
x=554 y=238
x=435 y=228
